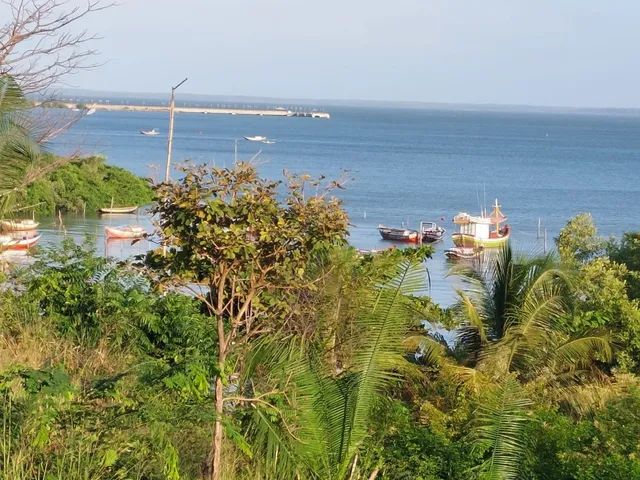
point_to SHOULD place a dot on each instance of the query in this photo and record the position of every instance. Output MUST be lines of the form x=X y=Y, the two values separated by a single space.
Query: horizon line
x=347 y=101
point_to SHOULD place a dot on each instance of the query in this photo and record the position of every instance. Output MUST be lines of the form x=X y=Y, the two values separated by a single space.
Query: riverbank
x=260 y=112
x=85 y=185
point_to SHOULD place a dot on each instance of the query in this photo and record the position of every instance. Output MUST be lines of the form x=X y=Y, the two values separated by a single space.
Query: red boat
x=8 y=242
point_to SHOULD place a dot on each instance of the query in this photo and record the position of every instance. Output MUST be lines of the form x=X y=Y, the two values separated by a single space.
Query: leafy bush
x=87 y=184
x=605 y=446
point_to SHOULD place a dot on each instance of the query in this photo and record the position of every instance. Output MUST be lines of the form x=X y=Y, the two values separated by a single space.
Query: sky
x=581 y=53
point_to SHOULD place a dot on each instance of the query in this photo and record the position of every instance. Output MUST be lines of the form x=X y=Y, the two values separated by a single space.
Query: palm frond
x=18 y=150
x=531 y=325
x=498 y=430
x=384 y=324
x=427 y=349
x=325 y=416
x=580 y=352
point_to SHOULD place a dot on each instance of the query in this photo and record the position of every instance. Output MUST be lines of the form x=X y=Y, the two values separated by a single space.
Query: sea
x=398 y=165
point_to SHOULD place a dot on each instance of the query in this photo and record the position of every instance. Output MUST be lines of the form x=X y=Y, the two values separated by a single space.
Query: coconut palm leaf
x=498 y=430
x=384 y=323
x=18 y=151
x=326 y=415
x=581 y=352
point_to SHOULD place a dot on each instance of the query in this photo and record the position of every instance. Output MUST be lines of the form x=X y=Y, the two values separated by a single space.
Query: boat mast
x=498 y=215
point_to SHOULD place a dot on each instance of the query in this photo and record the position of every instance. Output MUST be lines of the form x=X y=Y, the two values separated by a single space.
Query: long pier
x=275 y=112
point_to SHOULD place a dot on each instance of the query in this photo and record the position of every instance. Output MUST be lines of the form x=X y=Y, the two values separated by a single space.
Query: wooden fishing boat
x=399 y=234
x=8 y=242
x=483 y=230
x=124 y=232
x=463 y=253
x=24 y=225
x=431 y=232
x=118 y=210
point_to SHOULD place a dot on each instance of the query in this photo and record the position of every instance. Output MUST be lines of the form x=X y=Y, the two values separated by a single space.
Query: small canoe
x=398 y=234
x=125 y=231
x=8 y=242
x=463 y=253
x=118 y=210
x=18 y=225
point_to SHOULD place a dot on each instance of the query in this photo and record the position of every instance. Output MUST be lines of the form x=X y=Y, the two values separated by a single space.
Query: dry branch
x=42 y=41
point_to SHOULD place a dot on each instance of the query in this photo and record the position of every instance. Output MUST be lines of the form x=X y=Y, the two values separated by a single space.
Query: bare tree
x=41 y=42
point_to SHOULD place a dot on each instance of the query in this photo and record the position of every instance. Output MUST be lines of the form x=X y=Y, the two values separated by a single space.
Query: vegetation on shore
x=86 y=185
x=295 y=357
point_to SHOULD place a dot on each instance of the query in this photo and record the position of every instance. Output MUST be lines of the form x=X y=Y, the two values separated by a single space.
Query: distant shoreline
x=262 y=112
x=90 y=96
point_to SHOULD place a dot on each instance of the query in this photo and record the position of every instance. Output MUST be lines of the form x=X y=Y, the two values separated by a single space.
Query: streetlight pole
x=235 y=151
x=172 y=106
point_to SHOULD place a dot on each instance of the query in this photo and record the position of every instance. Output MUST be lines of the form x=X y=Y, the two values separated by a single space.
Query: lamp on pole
x=172 y=106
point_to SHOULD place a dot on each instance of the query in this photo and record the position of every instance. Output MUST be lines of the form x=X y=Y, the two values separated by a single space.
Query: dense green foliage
x=111 y=380
x=86 y=185
x=109 y=372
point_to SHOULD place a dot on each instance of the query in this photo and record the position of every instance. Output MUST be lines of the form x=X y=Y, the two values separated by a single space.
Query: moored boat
x=8 y=242
x=120 y=210
x=124 y=232
x=399 y=234
x=431 y=232
x=18 y=225
x=462 y=253
x=150 y=133
x=485 y=231
x=256 y=138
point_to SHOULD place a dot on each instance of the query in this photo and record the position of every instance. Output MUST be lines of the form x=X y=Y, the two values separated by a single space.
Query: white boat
x=150 y=133
x=482 y=230
x=118 y=210
x=124 y=231
x=18 y=225
x=256 y=138
x=91 y=111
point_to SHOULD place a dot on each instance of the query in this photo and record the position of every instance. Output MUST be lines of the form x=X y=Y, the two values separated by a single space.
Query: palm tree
x=511 y=343
x=314 y=420
x=18 y=150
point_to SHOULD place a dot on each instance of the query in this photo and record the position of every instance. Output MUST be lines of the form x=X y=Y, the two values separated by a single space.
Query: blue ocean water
x=407 y=165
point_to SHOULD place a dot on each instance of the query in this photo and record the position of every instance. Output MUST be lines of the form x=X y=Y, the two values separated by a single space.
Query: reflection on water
x=91 y=228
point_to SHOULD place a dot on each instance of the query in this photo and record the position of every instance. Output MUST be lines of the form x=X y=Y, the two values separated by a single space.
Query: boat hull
x=123 y=233
x=117 y=210
x=399 y=234
x=19 y=244
x=18 y=226
x=432 y=237
x=464 y=240
x=462 y=253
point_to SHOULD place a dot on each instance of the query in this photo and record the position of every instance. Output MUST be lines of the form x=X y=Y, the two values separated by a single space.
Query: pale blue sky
x=536 y=52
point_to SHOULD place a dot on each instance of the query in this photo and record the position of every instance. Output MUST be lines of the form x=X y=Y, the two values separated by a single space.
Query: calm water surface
x=404 y=165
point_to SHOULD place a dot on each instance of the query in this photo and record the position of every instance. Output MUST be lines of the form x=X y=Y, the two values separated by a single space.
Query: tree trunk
x=216 y=460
